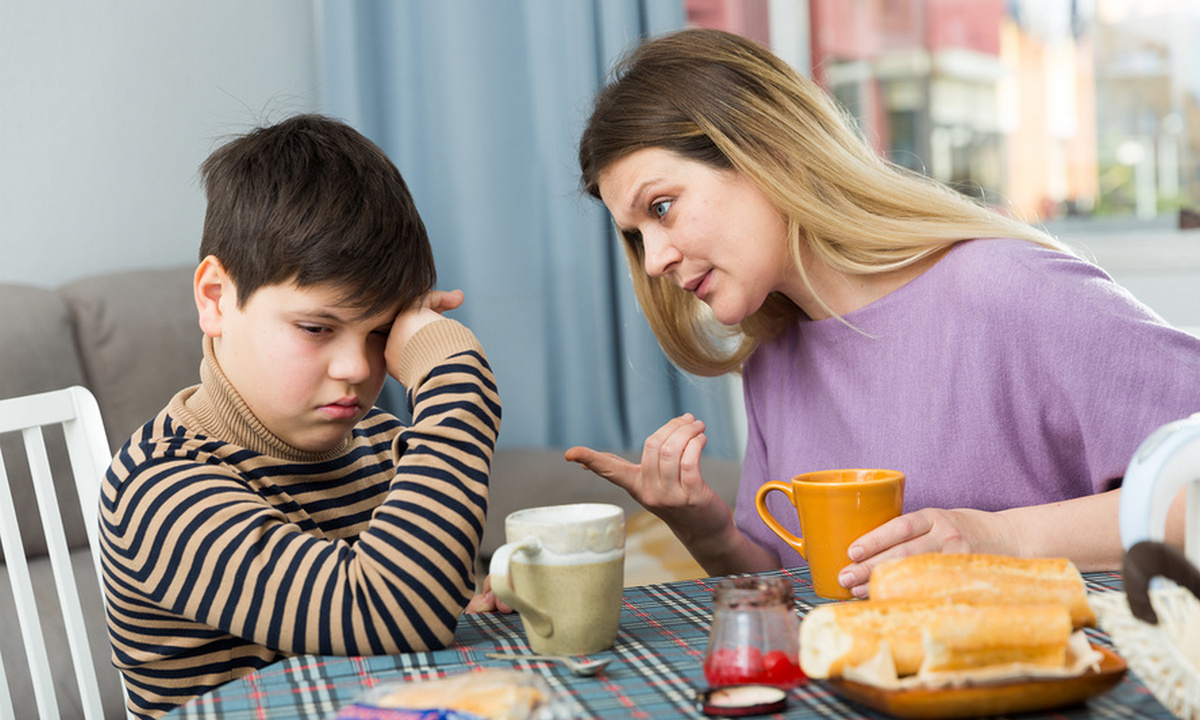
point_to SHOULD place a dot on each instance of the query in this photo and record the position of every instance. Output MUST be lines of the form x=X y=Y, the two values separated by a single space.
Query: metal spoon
x=585 y=667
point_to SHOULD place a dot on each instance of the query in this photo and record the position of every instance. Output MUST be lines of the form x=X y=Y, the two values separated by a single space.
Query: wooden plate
x=969 y=702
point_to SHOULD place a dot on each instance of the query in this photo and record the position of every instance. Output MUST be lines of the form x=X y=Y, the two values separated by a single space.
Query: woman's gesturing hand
x=668 y=483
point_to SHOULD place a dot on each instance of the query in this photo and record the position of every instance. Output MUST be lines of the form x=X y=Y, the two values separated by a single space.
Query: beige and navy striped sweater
x=225 y=549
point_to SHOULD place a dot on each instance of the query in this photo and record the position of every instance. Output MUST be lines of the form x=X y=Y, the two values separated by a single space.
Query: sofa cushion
x=37 y=354
x=139 y=341
x=38 y=351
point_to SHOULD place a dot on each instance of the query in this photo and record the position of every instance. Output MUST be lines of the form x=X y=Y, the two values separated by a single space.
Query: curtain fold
x=480 y=104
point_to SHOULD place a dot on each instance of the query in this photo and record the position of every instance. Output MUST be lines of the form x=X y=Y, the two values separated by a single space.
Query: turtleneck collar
x=219 y=411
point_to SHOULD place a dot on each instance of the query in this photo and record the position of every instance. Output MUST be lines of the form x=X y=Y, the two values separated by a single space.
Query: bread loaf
x=965 y=637
x=834 y=637
x=977 y=578
x=932 y=636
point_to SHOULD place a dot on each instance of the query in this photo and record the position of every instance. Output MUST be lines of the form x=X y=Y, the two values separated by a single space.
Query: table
x=657 y=667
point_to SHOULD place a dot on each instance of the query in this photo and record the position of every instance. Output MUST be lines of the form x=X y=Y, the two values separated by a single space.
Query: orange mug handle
x=760 y=503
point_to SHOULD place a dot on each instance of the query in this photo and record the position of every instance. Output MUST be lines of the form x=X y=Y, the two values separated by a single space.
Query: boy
x=271 y=509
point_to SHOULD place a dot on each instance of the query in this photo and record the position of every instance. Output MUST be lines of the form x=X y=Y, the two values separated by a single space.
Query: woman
x=879 y=319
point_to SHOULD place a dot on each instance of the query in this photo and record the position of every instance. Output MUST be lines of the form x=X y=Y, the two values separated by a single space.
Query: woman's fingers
x=613 y=468
x=689 y=462
x=927 y=530
x=669 y=469
x=663 y=451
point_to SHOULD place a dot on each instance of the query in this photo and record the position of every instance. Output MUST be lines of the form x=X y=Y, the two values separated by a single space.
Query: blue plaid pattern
x=657 y=668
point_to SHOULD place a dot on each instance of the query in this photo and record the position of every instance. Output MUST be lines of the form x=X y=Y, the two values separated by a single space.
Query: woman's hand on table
x=486 y=600
x=669 y=484
x=1083 y=530
x=925 y=531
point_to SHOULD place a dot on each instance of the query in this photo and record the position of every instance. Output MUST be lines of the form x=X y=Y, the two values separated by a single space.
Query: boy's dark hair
x=312 y=201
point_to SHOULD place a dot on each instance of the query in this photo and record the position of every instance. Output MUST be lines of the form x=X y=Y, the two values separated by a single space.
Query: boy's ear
x=214 y=292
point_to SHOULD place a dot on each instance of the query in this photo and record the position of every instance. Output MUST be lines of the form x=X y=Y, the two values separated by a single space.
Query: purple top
x=1006 y=375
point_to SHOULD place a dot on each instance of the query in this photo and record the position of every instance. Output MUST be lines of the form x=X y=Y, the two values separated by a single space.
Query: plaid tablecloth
x=656 y=670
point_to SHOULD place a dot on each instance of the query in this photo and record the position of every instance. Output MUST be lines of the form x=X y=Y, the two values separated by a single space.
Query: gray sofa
x=132 y=338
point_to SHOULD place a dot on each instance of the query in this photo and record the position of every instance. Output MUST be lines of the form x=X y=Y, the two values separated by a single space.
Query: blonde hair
x=726 y=101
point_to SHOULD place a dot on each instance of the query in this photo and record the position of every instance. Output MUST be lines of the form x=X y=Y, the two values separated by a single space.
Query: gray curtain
x=480 y=103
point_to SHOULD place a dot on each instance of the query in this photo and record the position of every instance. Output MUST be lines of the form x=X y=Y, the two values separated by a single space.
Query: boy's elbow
x=439 y=638
x=440 y=633
x=445 y=637
x=413 y=640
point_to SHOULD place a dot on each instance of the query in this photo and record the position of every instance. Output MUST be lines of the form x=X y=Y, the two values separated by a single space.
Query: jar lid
x=741 y=700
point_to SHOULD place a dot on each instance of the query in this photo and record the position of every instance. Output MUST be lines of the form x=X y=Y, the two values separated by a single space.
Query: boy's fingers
x=437 y=300
x=483 y=602
x=487 y=601
x=442 y=300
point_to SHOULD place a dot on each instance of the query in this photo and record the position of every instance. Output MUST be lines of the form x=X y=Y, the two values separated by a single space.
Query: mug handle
x=1163 y=464
x=760 y=503
x=503 y=587
x=1147 y=560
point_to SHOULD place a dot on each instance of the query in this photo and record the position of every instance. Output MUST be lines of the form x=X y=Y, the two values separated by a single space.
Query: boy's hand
x=427 y=309
x=486 y=601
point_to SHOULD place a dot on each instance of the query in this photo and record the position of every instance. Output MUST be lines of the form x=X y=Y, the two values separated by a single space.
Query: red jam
x=747 y=666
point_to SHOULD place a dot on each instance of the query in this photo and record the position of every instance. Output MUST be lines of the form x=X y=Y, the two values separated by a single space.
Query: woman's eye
x=660 y=208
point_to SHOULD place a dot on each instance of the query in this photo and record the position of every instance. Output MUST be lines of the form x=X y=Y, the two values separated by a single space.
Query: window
x=1080 y=115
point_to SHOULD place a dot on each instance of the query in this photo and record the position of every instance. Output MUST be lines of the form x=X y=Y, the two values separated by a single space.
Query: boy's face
x=309 y=368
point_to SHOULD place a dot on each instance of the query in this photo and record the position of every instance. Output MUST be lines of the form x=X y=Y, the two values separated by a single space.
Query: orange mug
x=835 y=508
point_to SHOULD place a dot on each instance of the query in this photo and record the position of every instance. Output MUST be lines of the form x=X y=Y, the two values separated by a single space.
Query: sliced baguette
x=932 y=636
x=834 y=637
x=978 y=578
x=966 y=637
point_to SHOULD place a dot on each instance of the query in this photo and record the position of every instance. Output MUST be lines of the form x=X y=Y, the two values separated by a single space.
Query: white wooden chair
x=76 y=411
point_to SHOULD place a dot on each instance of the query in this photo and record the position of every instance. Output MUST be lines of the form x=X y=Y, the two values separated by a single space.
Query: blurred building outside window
x=1079 y=115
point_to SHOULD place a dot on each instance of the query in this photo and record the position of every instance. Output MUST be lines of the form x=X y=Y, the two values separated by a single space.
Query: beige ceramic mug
x=563 y=569
x=835 y=508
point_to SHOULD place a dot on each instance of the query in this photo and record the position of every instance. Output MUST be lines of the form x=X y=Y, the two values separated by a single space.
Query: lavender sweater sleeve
x=1006 y=375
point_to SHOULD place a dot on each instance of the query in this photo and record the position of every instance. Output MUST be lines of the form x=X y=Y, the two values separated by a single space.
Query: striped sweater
x=225 y=549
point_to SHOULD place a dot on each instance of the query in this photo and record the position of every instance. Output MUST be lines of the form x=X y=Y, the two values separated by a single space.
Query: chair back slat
x=76 y=411
x=64 y=572
x=26 y=604
x=88 y=452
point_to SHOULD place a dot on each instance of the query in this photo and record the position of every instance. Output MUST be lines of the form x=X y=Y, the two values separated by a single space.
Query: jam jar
x=755 y=636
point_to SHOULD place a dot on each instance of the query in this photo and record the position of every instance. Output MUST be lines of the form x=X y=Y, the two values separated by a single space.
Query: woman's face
x=711 y=232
